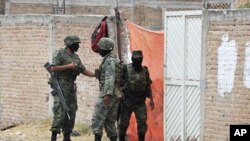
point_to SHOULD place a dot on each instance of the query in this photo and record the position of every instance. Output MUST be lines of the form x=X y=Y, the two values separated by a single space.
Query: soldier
x=136 y=87
x=105 y=112
x=67 y=64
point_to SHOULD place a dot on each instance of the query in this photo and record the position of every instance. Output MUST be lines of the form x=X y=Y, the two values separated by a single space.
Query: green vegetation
x=244 y=5
x=82 y=129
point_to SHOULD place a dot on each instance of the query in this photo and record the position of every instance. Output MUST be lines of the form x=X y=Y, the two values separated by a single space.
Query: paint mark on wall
x=227 y=59
x=247 y=66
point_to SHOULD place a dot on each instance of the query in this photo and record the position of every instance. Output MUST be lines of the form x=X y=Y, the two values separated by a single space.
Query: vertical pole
x=7 y=7
x=57 y=7
x=51 y=49
x=132 y=9
x=184 y=79
x=64 y=7
x=118 y=20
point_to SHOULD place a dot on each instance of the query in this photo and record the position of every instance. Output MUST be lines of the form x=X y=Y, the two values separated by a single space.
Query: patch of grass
x=244 y=5
x=82 y=128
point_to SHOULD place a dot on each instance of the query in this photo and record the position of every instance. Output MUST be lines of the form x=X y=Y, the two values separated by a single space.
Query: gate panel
x=182 y=62
x=192 y=79
x=175 y=44
x=173 y=103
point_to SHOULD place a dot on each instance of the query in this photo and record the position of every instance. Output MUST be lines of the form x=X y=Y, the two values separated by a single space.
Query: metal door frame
x=182 y=83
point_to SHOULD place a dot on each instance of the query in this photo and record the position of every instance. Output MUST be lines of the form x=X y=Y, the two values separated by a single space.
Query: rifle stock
x=57 y=89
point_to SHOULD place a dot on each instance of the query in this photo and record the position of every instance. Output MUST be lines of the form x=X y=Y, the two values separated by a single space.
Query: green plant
x=245 y=5
x=82 y=128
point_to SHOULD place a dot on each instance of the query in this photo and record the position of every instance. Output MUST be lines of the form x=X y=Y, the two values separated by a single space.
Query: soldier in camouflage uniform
x=67 y=64
x=136 y=87
x=105 y=112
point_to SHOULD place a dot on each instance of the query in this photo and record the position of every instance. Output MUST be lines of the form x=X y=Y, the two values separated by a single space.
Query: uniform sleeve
x=56 y=60
x=81 y=67
x=149 y=82
x=123 y=75
x=109 y=71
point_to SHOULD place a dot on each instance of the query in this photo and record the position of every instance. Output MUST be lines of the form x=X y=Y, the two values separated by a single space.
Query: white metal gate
x=182 y=72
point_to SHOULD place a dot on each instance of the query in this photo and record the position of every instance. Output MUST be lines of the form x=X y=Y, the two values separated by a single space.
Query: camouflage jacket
x=109 y=76
x=62 y=57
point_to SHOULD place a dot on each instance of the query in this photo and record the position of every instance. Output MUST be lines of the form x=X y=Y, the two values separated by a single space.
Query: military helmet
x=106 y=44
x=69 y=40
x=76 y=39
x=137 y=54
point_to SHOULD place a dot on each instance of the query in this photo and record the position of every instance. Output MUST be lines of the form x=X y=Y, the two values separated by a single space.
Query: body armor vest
x=136 y=81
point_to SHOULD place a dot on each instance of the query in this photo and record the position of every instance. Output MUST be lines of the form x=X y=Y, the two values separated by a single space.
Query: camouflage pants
x=140 y=114
x=105 y=117
x=60 y=119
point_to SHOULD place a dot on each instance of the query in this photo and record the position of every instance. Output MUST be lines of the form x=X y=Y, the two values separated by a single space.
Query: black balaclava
x=103 y=52
x=74 y=47
x=137 y=63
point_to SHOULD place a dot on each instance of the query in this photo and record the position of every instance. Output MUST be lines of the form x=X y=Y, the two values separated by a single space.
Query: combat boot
x=53 y=136
x=122 y=137
x=98 y=137
x=141 y=137
x=66 y=137
x=114 y=138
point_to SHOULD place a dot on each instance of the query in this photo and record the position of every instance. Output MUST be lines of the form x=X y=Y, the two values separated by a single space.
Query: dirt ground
x=39 y=131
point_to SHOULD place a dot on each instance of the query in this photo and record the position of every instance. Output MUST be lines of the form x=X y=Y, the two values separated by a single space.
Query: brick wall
x=233 y=107
x=145 y=16
x=16 y=8
x=26 y=44
x=24 y=49
x=145 y=12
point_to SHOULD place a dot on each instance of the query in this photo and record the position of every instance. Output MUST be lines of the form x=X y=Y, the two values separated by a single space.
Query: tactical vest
x=136 y=81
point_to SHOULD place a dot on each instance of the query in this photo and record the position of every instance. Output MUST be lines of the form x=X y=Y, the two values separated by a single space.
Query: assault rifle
x=57 y=89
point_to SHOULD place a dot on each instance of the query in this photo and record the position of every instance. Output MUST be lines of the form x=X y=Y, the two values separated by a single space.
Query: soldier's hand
x=106 y=99
x=152 y=105
x=72 y=66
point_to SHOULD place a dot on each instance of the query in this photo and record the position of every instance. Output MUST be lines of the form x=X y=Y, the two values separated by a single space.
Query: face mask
x=103 y=53
x=74 y=47
x=136 y=63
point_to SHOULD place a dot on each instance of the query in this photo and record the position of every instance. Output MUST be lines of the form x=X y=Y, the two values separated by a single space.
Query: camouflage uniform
x=66 y=79
x=136 y=89
x=105 y=115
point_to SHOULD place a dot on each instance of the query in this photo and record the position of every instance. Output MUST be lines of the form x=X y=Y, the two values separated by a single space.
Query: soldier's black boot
x=53 y=136
x=141 y=137
x=122 y=137
x=66 y=137
x=114 y=138
x=98 y=137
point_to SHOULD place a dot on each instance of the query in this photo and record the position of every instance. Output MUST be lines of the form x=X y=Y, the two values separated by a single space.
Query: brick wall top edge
x=220 y=15
x=127 y=3
x=79 y=18
x=83 y=2
x=24 y=18
x=46 y=18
